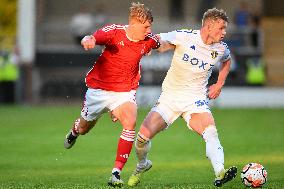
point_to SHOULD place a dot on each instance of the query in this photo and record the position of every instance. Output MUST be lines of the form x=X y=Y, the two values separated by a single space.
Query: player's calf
x=142 y=146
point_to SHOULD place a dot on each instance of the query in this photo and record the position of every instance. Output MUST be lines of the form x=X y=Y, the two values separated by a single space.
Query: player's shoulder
x=187 y=31
x=222 y=45
x=184 y=35
x=152 y=36
x=113 y=27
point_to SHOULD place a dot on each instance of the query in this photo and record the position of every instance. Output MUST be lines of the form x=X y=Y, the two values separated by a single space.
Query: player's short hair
x=214 y=14
x=140 y=12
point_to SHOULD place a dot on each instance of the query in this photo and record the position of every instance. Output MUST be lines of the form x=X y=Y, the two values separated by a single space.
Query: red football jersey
x=118 y=67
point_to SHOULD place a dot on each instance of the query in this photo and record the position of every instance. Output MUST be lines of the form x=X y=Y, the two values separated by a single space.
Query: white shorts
x=170 y=108
x=98 y=101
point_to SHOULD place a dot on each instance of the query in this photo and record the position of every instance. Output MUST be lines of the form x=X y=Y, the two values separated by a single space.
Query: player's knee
x=209 y=133
x=128 y=123
x=141 y=141
x=131 y=123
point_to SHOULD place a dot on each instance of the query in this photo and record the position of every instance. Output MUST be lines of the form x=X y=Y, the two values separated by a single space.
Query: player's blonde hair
x=140 y=12
x=214 y=14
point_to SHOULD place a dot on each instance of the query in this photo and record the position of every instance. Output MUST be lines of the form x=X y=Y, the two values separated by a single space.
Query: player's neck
x=130 y=34
x=205 y=37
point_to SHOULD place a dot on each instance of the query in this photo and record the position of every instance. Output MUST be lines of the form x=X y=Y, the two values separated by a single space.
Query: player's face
x=218 y=30
x=141 y=30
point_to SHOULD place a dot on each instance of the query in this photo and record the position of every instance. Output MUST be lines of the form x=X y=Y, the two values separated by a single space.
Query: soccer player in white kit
x=185 y=92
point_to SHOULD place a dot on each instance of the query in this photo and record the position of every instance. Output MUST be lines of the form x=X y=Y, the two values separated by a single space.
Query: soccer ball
x=254 y=175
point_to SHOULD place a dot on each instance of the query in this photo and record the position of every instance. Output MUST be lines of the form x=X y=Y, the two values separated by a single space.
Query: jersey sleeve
x=154 y=41
x=170 y=37
x=226 y=55
x=105 y=34
x=176 y=37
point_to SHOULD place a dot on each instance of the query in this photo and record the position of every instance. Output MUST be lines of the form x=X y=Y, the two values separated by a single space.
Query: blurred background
x=42 y=62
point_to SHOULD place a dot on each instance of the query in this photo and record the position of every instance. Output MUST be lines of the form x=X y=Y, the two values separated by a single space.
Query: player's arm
x=88 y=42
x=99 y=37
x=164 y=45
x=215 y=89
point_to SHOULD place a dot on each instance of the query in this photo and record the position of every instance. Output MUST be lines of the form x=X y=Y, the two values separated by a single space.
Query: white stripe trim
x=128 y=131
x=112 y=27
x=127 y=138
x=152 y=36
x=128 y=135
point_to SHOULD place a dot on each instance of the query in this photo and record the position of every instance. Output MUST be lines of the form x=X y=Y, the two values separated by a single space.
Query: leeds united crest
x=214 y=54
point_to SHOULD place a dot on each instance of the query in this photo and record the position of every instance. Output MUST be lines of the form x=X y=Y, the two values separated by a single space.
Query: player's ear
x=210 y=24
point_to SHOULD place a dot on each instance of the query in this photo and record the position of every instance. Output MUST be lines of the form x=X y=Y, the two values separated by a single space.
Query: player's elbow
x=161 y=49
x=165 y=46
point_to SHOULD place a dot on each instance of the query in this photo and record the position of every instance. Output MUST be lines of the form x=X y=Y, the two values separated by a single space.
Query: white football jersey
x=192 y=62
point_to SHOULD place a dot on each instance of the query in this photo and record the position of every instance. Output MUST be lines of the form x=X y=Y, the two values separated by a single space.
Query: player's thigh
x=126 y=113
x=199 y=121
x=152 y=124
x=94 y=106
x=160 y=118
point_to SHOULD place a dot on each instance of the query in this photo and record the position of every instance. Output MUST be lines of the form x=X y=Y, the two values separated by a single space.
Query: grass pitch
x=32 y=153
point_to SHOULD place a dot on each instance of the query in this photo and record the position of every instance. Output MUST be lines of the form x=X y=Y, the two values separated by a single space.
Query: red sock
x=124 y=148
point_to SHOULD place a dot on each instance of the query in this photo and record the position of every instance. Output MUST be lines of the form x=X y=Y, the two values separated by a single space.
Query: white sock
x=214 y=150
x=142 y=147
x=116 y=170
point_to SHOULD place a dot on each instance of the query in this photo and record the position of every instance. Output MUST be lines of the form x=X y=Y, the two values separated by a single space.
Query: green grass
x=32 y=153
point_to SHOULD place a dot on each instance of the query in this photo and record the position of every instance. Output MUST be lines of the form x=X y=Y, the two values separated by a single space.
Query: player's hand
x=164 y=45
x=158 y=36
x=88 y=42
x=214 y=91
x=113 y=118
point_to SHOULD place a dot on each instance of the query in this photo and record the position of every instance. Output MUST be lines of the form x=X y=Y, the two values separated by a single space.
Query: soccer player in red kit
x=113 y=80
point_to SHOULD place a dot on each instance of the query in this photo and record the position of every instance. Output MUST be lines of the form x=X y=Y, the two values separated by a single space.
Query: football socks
x=214 y=150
